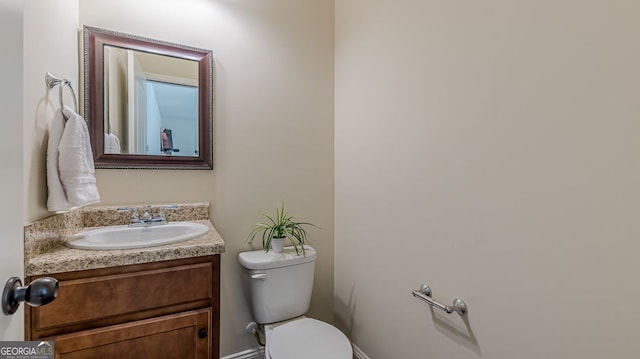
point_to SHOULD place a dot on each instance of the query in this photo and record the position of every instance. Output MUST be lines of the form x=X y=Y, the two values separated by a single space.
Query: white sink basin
x=125 y=237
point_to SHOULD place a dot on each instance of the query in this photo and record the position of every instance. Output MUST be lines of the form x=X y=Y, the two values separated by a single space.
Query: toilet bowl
x=281 y=286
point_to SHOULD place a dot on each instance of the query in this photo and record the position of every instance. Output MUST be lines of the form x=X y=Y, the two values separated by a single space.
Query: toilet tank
x=280 y=284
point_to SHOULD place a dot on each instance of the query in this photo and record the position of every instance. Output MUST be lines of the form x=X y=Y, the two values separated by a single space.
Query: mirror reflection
x=151 y=104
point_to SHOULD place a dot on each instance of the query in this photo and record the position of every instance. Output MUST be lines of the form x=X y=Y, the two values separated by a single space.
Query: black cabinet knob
x=202 y=333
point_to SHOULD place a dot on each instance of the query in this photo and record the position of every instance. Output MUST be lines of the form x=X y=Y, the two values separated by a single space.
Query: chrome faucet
x=147 y=218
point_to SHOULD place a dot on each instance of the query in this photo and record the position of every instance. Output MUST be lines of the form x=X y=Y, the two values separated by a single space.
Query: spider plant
x=282 y=225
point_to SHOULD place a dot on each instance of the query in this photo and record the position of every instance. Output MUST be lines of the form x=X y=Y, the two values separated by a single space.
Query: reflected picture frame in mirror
x=96 y=44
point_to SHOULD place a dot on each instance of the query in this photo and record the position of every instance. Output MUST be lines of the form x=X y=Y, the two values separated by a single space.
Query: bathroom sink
x=125 y=237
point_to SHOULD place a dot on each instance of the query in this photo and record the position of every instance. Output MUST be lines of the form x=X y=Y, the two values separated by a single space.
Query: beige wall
x=116 y=87
x=184 y=72
x=50 y=45
x=274 y=98
x=489 y=148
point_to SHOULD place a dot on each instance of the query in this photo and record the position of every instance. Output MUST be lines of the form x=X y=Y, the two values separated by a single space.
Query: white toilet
x=281 y=285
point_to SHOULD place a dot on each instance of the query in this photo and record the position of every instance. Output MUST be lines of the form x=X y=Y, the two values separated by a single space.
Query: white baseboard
x=358 y=353
x=255 y=353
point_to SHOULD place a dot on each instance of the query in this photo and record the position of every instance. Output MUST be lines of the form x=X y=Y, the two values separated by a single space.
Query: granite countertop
x=55 y=257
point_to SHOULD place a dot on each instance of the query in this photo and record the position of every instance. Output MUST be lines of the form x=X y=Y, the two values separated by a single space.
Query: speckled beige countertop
x=45 y=252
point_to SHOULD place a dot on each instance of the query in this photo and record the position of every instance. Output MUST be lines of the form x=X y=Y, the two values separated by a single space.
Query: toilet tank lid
x=261 y=260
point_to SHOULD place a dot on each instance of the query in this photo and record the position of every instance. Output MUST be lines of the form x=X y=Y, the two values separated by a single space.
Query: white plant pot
x=277 y=244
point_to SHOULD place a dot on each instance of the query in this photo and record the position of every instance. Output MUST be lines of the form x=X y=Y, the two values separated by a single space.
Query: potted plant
x=280 y=228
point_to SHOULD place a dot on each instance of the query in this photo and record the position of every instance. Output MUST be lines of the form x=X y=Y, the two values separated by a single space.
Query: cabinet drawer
x=112 y=296
x=177 y=336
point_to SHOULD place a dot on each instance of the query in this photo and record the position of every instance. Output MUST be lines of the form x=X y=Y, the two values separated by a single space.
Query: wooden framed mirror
x=149 y=103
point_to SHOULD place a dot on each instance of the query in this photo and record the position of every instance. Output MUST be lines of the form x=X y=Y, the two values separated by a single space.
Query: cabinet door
x=99 y=299
x=177 y=336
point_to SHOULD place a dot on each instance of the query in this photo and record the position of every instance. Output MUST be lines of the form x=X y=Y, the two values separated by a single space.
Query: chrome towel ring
x=53 y=81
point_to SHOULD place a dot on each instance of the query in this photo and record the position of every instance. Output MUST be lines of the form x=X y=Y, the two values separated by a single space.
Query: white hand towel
x=111 y=143
x=116 y=142
x=75 y=162
x=57 y=200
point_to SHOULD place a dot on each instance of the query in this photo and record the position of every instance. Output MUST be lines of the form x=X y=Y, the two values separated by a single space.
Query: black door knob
x=202 y=333
x=39 y=292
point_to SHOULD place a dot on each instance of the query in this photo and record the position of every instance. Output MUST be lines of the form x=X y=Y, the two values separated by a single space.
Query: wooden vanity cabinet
x=167 y=309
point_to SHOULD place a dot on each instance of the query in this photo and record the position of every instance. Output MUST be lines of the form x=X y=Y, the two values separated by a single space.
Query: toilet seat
x=309 y=339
